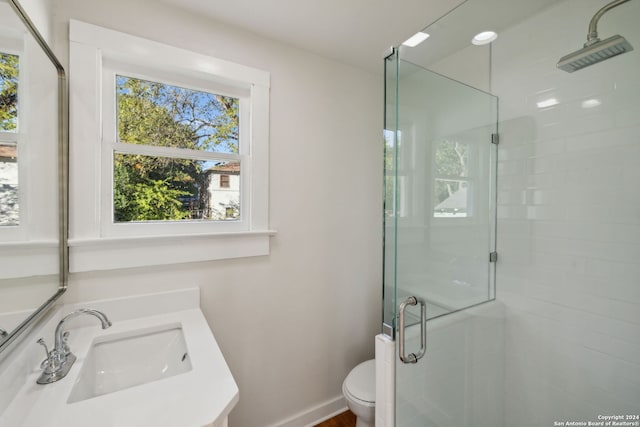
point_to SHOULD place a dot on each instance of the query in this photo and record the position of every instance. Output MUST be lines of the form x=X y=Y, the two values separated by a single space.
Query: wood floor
x=345 y=419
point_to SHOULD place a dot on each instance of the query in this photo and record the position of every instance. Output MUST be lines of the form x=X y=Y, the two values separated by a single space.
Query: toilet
x=359 y=389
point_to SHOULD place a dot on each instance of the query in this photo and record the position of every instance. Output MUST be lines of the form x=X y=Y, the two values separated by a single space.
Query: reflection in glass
x=451 y=199
x=451 y=190
x=33 y=258
x=9 y=198
x=451 y=158
x=9 y=202
x=8 y=92
x=155 y=188
x=442 y=228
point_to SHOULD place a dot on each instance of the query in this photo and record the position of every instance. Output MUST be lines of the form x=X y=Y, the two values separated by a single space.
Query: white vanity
x=157 y=365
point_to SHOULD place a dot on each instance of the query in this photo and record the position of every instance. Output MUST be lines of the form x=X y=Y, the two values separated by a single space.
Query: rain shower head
x=596 y=50
x=594 y=53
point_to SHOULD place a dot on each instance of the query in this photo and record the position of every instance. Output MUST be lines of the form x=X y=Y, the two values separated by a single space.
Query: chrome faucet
x=60 y=359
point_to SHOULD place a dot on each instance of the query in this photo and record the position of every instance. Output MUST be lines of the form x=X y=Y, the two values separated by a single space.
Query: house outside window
x=223 y=191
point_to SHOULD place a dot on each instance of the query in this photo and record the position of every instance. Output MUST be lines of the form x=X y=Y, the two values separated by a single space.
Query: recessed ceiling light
x=590 y=103
x=416 y=39
x=547 y=103
x=484 y=37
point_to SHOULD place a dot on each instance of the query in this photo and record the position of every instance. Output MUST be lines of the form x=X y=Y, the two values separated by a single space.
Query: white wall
x=291 y=325
x=39 y=12
x=569 y=219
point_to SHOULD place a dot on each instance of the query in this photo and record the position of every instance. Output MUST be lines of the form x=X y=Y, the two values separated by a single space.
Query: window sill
x=130 y=252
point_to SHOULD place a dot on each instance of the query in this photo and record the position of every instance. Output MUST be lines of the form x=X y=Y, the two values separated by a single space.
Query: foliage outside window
x=9 y=200
x=172 y=144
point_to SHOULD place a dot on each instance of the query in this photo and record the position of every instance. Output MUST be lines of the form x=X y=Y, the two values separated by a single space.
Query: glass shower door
x=440 y=162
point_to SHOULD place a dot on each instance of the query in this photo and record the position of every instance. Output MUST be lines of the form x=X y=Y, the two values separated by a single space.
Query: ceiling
x=454 y=31
x=355 y=32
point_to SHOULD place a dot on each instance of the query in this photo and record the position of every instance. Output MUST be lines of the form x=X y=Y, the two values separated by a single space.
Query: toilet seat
x=360 y=384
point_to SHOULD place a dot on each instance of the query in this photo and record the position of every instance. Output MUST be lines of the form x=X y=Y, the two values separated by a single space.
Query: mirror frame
x=63 y=187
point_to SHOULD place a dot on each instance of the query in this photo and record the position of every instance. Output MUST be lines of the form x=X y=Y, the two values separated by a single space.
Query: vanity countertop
x=203 y=396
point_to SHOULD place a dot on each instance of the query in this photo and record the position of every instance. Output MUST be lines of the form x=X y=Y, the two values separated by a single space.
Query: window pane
x=223 y=190
x=150 y=188
x=451 y=158
x=451 y=199
x=169 y=116
x=8 y=92
x=9 y=208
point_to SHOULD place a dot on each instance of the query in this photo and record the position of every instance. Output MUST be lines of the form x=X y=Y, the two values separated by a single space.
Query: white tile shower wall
x=459 y=383
x=569 y=219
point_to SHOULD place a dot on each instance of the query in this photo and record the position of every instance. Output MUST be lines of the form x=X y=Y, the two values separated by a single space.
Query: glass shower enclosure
x=440 y=221
x=561 y=340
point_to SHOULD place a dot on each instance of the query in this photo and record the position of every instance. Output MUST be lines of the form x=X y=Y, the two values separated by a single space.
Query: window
x=9 y=201
x=182 y=151
x=169 y=140
x=451 y=192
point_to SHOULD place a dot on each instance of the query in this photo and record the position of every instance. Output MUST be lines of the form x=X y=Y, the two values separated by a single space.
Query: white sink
x=120 y=361
x=132 y=374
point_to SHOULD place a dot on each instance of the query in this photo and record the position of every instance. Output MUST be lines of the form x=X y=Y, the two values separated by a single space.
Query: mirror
x=33 y=187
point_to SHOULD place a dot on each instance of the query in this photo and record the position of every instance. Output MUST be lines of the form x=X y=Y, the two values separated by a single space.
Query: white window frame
x=96 y=242
x=110 y=144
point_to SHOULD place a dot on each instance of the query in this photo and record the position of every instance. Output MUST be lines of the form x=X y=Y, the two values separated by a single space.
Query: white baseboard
x=316 y=414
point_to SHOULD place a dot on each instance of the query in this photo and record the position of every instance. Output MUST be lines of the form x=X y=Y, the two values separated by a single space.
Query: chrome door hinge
x=493 y=256
x=495 y=138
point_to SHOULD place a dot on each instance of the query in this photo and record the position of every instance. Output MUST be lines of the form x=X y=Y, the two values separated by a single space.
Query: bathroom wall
x=39 y=12
x=292 y=324
x=569 y=219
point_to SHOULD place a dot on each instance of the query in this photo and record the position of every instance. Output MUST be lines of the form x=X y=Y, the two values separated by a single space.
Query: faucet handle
x=44 y=344
x=49 y=362
x=53 y=361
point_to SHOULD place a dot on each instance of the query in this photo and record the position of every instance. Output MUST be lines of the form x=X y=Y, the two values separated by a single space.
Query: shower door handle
x=413 y=357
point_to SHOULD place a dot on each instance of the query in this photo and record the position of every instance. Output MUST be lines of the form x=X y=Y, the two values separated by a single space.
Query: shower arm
x=592 y=36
